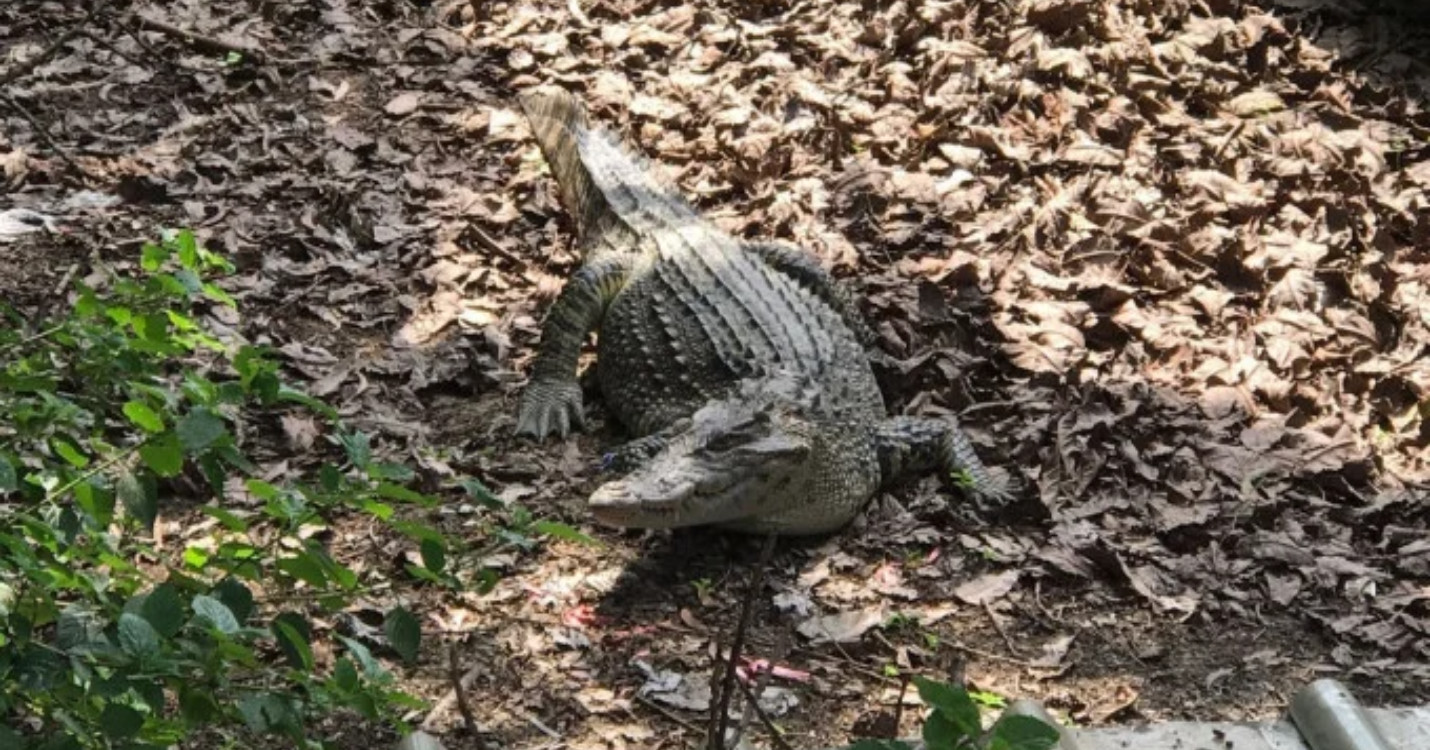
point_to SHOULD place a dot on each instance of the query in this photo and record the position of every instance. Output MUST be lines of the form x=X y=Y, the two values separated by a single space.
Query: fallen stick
x=197 y=41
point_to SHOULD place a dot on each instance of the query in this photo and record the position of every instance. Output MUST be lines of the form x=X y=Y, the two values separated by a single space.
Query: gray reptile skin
x=742 y=366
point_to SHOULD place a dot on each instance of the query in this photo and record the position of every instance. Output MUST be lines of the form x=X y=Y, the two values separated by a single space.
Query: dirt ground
x=1167 y=259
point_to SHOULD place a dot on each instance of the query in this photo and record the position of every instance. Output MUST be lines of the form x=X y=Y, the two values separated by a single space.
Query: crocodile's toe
x=548 y=408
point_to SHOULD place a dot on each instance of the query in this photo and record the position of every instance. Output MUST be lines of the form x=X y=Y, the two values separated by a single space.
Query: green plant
x=954 y=723
x=107 y=640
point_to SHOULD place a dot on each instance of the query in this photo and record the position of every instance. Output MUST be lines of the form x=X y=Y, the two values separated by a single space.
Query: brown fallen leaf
x=841 y=627
x=987 y=588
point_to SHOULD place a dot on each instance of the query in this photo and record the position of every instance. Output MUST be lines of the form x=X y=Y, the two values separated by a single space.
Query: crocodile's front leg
x=908 y=446
x=552 y=400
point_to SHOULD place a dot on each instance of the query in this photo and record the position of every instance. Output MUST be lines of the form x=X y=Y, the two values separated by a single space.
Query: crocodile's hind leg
x=805 y=270
x=552 y=399
x=915 y=445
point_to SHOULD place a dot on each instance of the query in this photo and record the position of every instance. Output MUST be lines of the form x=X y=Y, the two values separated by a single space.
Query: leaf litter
x=1165 y=259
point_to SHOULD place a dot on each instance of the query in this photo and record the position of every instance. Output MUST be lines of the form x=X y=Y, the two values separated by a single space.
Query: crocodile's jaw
x=682 y=487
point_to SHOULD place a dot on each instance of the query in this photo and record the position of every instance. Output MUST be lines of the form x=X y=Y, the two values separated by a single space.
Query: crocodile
x=742 y=367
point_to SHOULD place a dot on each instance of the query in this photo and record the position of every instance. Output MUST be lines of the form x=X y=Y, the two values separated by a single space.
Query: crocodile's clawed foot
x=999 y=488
x=550 y=408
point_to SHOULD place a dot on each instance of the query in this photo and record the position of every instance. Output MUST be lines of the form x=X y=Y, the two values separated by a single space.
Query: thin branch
x=454 y=675
x=721 y=719
x=754 y=704
x=44 y=135
x=667 y=713
x=198 y=41
x=107 y=464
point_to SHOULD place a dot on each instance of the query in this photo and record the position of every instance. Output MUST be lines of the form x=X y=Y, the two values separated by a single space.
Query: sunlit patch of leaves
x=127 y=402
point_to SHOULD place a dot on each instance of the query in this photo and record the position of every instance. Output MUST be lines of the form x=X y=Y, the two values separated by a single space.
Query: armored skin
x=741 y=366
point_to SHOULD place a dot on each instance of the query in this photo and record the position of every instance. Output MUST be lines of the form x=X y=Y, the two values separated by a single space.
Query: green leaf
x=216 y=613
x=879 y=745
x=1022 y=733
x=393 y=472
x=230 y=520
x=140 y=414
x=370 y=666
x=481 y=494
x=357 y=447
x=987 y=699
x=952 y=703
x=562 y=531
x=69 y=452
x=261 y=489
x=345 y=675
x=398 y=492
x=153 y=328
x=199 y=429
x=163 y=455
x=9 y=481
x=218 y=295
x=293 y=635
x=304 y=568
x=188 y=247
x=193 y=285
x=97 y=502
x=120 y=722
x=268 y=713
x=152 y=257
x=434 y=555
x=140 y=498
x=196 y=704
x=236 y=597
x=403 y=632
x=164 y=610
x=137 y=637
x=940 y=733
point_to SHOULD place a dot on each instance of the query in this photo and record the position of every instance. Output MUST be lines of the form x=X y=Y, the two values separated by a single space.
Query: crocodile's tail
x=601 y=183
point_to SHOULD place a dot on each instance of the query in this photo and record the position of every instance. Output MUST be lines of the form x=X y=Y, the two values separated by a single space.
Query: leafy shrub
x=106 y=643
x=954 y=723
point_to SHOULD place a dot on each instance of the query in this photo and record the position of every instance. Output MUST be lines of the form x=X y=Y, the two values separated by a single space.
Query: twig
x=720 y=719
x=492 y=246
x=451 y=697
x=114 y=50
x=998 y=626
x=108 y=463
x=197 y=41
x=667 y=713
x=455 y=676
x=754 y=704
x=139 y=39
x=45 y=136
x=38 y=60
x=904 y=680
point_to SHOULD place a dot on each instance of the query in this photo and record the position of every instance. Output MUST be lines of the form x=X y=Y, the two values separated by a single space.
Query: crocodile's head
x=735 y=460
